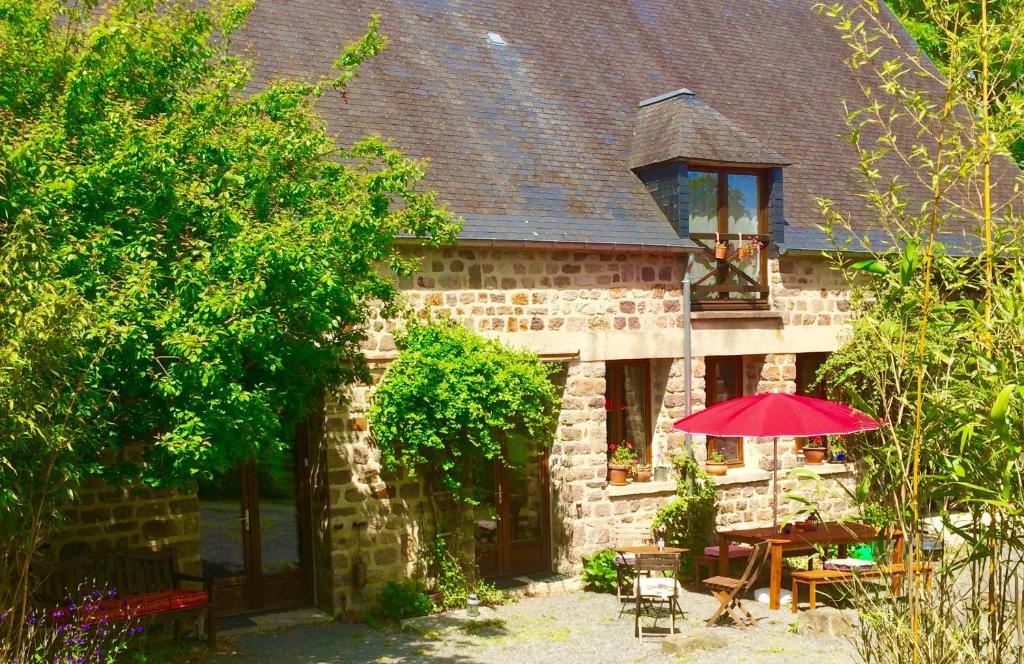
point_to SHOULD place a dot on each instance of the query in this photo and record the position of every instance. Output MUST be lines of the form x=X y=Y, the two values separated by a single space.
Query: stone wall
x=105 y=518
x=808 y=292
x=580 y=308
x=372 y=517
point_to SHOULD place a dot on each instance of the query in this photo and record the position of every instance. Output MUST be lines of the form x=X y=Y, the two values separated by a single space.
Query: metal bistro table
x=840 y=534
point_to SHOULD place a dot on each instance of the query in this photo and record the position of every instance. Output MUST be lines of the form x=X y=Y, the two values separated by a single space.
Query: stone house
x=594 y=150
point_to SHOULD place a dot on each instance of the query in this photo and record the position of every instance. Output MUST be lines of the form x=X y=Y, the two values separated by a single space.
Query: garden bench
x=144 y=586
x=830 y=577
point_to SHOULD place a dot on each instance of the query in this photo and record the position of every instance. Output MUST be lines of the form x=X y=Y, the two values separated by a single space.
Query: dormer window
x=720 y=187
x=729 y=222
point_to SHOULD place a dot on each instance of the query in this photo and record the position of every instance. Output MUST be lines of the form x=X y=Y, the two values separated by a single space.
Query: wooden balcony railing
x=728 y=286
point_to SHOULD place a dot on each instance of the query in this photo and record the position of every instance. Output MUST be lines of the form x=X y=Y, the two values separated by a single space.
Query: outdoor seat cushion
x=662 y=587
x=735 y=551
x=625 y=559
x=162 y=601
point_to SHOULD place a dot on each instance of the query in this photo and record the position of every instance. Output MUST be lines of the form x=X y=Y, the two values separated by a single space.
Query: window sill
x=752 y=475
x=641 y=488
x=734 y=314
x=742 y=476
x=829 y=468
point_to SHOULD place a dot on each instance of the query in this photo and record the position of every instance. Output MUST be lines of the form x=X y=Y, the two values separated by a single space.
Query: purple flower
x=31 y=620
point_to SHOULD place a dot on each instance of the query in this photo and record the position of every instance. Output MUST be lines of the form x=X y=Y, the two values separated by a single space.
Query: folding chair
x=728 y=589
x=651 y=589
x=628 y=534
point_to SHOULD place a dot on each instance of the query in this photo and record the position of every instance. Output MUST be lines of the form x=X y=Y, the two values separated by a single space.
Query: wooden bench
x=829 y=577
x=147 y=587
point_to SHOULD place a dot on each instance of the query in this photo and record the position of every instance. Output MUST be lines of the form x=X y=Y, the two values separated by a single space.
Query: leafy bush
x=451 y=578
x=689 y=520
x=449 y=400
x=599 y=571
x=398 y=601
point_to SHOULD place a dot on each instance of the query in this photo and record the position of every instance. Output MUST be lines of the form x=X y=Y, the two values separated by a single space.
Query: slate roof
x=678 y=125
x=532 y=139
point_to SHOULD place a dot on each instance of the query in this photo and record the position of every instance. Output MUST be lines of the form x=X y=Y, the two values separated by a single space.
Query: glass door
x=511 y=519
x=525 y=499
x=254 y=533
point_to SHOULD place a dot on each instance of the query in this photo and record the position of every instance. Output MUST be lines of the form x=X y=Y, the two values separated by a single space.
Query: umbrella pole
x=775 y=483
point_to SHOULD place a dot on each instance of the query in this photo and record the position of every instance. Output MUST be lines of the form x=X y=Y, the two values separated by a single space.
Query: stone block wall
x=105 y=518
x=372 y=517
x=521 y=291
x=808 y=291
x=537 y=298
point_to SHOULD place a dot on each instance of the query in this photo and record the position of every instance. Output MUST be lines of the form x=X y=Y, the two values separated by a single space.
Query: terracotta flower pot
x=642 y=476
x=721 y=251
x=617 y=474
x=717 y=468
x=814 y=456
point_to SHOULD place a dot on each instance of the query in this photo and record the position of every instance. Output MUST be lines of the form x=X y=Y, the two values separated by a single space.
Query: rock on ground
x=825 y=621
x=690 y=641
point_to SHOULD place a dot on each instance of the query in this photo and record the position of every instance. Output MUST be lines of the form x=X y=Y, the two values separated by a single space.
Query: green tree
x=186 y=261
x=946 y=31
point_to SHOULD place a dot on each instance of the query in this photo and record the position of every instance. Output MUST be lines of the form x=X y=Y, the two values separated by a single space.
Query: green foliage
x=399 y=601
x=452 y=397
x=689 y=520
x=622 y=456
x=185 y=262
x=937 y=339
x=599 y=571
x=950 y=36
x=455 y=579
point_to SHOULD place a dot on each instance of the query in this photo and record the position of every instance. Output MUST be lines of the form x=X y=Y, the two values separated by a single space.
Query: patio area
x=564 y=628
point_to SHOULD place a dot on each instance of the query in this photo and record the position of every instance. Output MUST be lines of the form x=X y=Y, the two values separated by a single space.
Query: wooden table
x=643 y=550
x=840 y=534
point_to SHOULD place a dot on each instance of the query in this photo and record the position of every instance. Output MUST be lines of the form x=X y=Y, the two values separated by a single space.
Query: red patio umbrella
x=777 y=415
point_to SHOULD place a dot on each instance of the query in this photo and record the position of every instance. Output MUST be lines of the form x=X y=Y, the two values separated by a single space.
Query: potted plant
x=749 y=249
x=642 y=473
x=815 y=451
x=620 y=457
x=721 y=250
x=716 y=464
x=837 y=450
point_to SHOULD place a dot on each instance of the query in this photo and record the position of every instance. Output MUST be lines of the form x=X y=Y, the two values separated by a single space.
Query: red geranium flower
x=612 y=447
x=629 y=444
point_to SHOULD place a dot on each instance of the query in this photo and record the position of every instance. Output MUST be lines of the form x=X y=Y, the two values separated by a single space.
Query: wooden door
x=255 y=532
x=512 y=520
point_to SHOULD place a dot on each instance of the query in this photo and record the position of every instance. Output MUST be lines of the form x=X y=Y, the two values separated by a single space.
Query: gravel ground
x=570 y=628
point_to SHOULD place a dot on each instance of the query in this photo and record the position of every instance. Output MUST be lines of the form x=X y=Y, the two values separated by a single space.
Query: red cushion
x=146 y=603
x=164 y=600
x=181 y=599
x=735 y=551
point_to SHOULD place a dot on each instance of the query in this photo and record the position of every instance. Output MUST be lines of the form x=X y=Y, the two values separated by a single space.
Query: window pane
x=728 y=448
x=724 y=379
x=626 y=402
x=703 y=202
x=279 y=518
x=743 y=203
